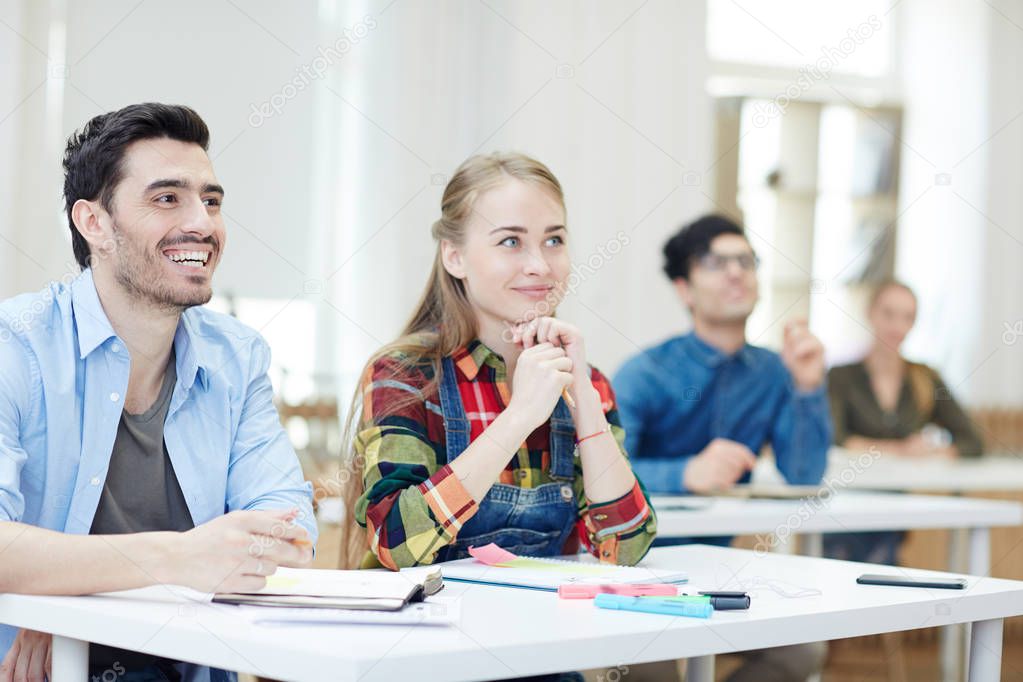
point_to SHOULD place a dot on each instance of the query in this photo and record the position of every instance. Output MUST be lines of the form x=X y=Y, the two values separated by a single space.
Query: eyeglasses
x=718 y=262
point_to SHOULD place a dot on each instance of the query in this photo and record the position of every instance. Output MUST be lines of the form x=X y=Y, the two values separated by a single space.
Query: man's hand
x=803 y=355
x=718 y=466
x=235 y=552
x=29 y=658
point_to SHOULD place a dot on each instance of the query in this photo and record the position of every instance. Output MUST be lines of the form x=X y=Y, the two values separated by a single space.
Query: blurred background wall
x=856 y=140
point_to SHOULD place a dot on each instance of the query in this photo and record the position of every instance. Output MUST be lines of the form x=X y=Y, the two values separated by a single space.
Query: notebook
x=327 y=589
x=769 y=491
x=492 y=565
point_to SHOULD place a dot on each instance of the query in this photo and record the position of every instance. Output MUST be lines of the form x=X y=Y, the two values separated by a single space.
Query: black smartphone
x=904 y=581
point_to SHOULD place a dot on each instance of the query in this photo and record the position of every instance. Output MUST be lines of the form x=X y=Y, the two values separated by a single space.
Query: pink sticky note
x=492 y=555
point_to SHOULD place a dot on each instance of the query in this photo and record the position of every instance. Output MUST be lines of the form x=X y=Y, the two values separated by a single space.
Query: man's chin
x=734 y=313
x=184 y=299
x=197 y=299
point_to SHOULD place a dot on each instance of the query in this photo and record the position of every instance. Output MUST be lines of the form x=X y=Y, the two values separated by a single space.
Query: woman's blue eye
x=514 y=241
x=558 y=241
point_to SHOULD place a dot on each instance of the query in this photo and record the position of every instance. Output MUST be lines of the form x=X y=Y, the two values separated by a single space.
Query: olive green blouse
x=923 y=399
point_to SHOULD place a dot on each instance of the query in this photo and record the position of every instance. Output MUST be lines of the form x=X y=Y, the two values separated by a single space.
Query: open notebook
x=316 y=588
x=491 y=565
x=771 y=491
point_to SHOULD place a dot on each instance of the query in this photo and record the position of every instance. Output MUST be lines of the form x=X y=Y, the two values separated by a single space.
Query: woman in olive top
x=884 y=402
x=464 y=433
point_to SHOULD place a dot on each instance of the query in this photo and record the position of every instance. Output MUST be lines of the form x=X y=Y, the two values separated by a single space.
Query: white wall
x=959 y=239
x=26 y=97
x=207 y=55
x=998 y=380
x=10 y=89
x=215 y=59
x=610 y=95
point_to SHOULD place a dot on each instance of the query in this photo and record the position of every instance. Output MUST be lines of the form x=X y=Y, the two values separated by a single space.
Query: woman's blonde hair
x=883 y=287
x=443 y=320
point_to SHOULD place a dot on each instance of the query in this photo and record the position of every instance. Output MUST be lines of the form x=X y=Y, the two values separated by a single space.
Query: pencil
x=568 y=398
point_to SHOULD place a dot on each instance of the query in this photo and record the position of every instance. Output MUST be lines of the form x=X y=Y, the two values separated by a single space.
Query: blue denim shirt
x=63 y=378
x=675 y=398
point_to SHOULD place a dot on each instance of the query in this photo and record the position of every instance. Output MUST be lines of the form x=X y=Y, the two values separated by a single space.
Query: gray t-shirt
x=141 y=494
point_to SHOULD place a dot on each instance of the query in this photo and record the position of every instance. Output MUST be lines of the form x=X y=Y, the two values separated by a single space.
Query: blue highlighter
x=665 y=607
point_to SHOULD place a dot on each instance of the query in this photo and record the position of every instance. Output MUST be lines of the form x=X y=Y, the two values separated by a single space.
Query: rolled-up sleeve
x=412 y=506
x=950 y=415
x=801 y=436
x=264 y=471
x=19 y=373
x=635 y=402
x=622 y=530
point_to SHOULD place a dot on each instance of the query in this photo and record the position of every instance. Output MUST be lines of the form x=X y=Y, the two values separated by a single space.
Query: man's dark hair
x=94 y=156
x=693 y=242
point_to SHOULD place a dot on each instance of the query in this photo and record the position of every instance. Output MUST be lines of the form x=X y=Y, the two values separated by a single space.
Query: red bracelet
x=606 y=429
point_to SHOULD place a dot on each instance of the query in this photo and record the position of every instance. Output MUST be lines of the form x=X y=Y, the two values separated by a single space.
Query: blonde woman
x=462 y=434
x=887 y=403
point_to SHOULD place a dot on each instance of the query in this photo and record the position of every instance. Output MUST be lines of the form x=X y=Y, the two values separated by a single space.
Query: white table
x=838 y=512
x=506 y=632
x=846 y=511
x=984 y=474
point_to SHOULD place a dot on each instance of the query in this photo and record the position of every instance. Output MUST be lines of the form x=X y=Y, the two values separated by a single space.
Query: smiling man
x=139 y=443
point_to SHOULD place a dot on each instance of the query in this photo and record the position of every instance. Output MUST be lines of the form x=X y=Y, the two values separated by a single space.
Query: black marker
x=728 y=601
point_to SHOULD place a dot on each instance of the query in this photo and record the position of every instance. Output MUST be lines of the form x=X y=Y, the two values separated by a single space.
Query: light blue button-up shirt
x=63 y=380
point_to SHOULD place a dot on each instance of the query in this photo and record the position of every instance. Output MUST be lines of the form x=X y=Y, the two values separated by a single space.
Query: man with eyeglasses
x=698 y=408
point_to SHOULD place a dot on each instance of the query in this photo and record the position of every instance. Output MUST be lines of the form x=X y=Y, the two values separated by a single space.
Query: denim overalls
x=525 y=521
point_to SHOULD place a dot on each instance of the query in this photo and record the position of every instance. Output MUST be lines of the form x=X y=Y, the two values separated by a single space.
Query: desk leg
x=70 y=659
x=813 y=544
x=980 y=552
x=701 y=669
x=955 y=642
x=978 y=563
x=953 y=638
x=986 y=651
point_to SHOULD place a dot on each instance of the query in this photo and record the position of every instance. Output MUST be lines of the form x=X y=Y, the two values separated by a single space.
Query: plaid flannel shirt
x=413 y=505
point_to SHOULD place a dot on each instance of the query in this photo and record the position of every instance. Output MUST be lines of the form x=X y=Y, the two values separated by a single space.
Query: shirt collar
x=192 y=354
x=94 y=329
x=708 y=355
x=91 y=322
x=471 y=357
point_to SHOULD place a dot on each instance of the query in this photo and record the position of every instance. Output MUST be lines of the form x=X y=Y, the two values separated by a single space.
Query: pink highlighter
x=584 y=591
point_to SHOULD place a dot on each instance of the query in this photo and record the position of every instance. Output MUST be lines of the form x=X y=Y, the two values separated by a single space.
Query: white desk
x=987 y=473
x=846 y=511
x=842 y=511
x=506 y=632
